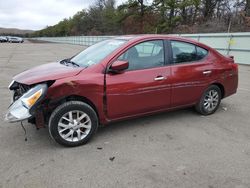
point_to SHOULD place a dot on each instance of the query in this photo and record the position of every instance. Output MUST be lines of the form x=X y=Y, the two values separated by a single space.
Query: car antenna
x=25 y=135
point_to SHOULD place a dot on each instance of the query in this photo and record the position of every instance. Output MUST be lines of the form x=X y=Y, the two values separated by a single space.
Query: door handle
x=158 y=78
x=207 y=72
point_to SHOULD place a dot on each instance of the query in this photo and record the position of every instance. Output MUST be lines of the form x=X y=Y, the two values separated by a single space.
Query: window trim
x=171 y=52
x=168 y=52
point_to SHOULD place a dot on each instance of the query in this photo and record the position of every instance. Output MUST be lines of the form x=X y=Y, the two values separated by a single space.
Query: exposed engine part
x=19 y=90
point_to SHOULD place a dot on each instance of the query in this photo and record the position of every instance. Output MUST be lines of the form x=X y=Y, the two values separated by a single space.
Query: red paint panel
x=135 y=92
x=189 y=82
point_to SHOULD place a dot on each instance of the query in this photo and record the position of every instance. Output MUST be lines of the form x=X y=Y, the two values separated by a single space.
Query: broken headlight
x=23 y=107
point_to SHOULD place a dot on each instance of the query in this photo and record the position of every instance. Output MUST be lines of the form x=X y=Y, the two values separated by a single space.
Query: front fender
x=90 y=90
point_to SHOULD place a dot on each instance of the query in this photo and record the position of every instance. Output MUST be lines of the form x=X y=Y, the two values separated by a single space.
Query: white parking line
x=244 y=89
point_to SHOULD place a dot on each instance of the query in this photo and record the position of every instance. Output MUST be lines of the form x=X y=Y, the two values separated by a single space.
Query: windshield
x=97 y=52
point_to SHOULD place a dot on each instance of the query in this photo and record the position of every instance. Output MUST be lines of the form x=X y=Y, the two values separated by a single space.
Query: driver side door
x=144 y=87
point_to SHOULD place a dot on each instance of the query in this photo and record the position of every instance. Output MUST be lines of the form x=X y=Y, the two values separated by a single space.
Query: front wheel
x=73 y=123
x=209 y=101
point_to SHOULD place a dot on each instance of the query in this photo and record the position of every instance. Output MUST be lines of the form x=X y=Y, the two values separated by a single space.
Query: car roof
x=146 y=36
x=139 y=37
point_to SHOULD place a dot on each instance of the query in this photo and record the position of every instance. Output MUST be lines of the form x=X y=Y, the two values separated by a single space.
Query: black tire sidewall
x=64 y=108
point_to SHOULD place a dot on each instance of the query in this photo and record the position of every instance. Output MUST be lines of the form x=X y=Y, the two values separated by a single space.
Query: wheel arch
x=222 y=89
x=78 y=98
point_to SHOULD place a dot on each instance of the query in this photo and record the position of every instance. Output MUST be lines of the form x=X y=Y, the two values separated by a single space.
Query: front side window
x=186 y=52
x=144 y=55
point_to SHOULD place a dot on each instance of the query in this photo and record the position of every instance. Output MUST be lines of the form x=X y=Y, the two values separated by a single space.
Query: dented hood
x=50 y=71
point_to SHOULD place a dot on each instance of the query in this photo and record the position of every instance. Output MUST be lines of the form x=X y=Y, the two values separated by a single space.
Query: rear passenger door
x=190 y=72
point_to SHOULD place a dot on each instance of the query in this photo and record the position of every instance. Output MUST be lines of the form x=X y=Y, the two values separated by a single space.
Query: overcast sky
x=37 y=14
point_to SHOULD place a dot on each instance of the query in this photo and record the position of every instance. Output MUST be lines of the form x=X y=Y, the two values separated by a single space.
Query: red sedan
x=121 y=78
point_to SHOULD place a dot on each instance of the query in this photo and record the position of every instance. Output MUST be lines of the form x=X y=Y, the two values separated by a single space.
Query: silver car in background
x=15 y=39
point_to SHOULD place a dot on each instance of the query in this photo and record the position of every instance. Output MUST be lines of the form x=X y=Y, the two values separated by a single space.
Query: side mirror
x=118 y=66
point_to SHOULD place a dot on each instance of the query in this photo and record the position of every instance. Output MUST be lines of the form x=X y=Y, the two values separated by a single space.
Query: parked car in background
x=3 y=39
x=121 y=78
x=15 y=39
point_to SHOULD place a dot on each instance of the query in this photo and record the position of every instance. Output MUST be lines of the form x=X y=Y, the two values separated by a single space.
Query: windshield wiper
x=67 y=62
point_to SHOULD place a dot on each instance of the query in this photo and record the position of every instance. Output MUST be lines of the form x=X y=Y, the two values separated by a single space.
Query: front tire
x=73 y=123
x=210 y=101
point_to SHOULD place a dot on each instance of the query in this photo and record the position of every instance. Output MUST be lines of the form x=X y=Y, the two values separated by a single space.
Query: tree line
x=157 y=16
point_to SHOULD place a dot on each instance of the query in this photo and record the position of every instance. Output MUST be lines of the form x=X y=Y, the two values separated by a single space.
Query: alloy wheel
x=74 y=126
x=211 y=100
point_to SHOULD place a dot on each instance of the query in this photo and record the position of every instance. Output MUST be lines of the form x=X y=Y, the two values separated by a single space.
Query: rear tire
x=210 y=101
x=73 y=123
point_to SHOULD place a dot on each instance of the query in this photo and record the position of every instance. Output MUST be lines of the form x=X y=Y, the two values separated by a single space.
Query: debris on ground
x=111 y=158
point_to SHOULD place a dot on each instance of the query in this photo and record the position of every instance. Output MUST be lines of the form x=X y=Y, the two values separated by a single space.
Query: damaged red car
x=121 y=78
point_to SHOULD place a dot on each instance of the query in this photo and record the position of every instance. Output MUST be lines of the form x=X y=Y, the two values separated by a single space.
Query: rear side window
x=185 y=52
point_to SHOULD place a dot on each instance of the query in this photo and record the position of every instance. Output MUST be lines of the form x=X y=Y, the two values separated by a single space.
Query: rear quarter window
x=201 y=52
x=183 y=52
